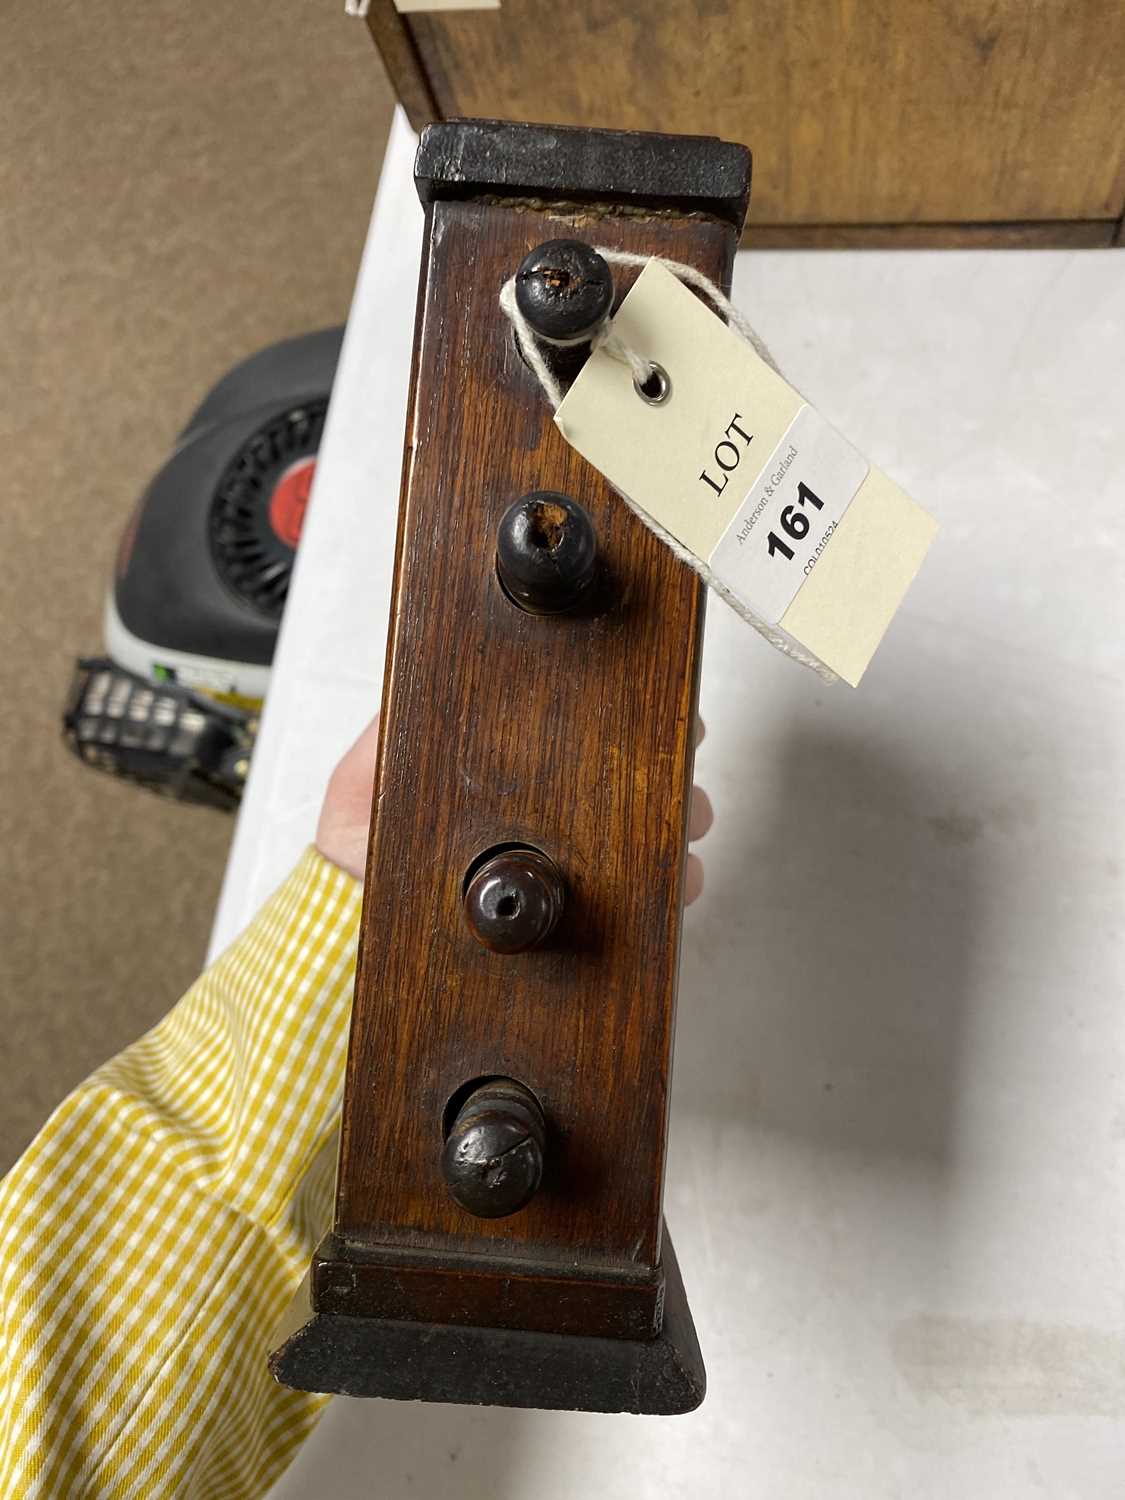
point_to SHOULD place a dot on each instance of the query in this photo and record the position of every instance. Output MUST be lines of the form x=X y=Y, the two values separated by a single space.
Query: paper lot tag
x=750 y=479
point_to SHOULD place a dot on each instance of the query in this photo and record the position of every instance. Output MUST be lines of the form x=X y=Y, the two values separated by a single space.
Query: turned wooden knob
x=514 y=900
x=564 y=289
x=546 y=552
x=493 y=1156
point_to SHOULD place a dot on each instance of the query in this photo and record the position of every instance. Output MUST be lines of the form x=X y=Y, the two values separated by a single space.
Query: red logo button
x=289 y=500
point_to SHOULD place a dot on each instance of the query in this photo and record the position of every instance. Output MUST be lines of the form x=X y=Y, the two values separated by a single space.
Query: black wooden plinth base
x=501 y=1367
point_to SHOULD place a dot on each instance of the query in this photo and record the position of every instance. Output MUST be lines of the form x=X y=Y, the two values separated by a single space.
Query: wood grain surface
x=392 y=35
x=573 y=734
x=893 y=112
x=1048 y=234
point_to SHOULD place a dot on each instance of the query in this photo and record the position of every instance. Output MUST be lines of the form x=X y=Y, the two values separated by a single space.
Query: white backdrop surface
x=897 y=1173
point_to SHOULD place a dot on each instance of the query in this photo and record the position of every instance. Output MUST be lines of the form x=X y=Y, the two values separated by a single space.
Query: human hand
x=700 y=817
x=341 y=834
x=345 y=815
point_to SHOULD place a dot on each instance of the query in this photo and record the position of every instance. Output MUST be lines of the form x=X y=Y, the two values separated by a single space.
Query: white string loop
x=606 y=338
x=611 y=343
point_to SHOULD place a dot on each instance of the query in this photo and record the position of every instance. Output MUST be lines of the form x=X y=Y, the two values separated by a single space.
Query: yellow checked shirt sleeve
x=155 y=1230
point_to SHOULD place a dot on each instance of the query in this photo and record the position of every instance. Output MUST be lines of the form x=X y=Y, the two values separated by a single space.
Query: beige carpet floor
x=179 y=185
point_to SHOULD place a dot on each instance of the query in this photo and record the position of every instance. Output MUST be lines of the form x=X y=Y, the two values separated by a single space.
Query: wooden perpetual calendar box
x=890 y=123
x=498 y=1234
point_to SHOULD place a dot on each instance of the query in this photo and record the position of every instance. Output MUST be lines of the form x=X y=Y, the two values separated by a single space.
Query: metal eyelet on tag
x=656 y=387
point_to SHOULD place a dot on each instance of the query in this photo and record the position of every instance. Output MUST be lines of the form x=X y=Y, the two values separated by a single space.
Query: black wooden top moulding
x=690 y=173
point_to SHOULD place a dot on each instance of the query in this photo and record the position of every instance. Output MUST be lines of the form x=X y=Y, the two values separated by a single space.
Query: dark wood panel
x=395 y=42
x=1069 y=234
x=414 y=1361
x=572 y=734
x=891 y=112
x=470 y=1291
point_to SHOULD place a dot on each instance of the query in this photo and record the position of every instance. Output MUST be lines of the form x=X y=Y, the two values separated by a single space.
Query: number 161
x=794 y=523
